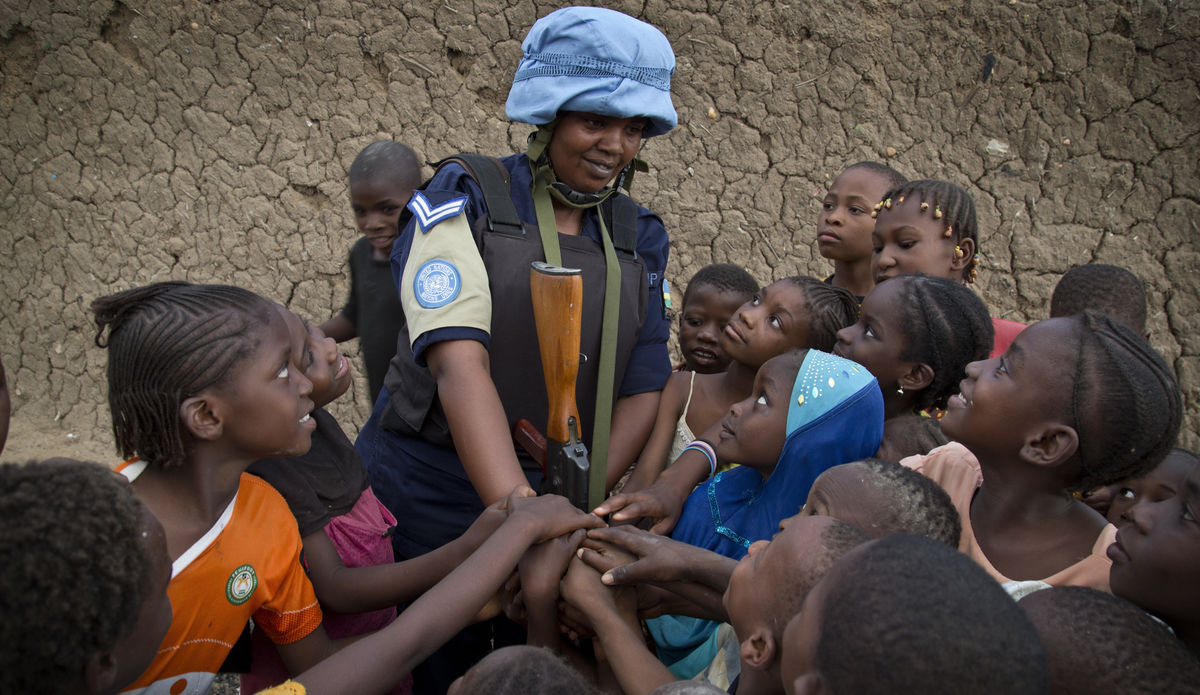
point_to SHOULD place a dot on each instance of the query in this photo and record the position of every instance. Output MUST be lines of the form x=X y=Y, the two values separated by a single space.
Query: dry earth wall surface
x=209 y=141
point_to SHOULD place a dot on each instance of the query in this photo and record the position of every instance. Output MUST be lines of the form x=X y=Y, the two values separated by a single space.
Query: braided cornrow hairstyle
x=832 y=309
x=167 y=342
x=954 y=205
x=1125 y=403
x=947 y=327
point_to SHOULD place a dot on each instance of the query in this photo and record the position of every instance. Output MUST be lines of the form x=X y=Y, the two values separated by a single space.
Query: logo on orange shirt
x=241 y=585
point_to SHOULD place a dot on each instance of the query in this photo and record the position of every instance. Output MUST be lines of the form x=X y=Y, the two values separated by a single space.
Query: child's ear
x=918 y=376
x=1051 y=446
x=758 y=650
x=958 y=262
x=200 y=417
x=99 y=672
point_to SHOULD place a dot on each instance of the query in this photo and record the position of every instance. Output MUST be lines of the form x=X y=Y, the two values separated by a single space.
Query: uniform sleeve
x=650 y=363
x=440 y=276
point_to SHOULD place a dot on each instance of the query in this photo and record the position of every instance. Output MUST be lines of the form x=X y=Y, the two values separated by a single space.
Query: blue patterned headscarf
x=598 y=61
x=835 y=416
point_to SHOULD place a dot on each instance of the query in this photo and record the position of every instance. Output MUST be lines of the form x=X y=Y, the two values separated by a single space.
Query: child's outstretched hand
x=548 y=515
x=582 y=589
x=629 y=555
x=659 y=502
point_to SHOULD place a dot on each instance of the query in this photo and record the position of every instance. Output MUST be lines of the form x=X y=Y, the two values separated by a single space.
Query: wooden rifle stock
x=558 y=312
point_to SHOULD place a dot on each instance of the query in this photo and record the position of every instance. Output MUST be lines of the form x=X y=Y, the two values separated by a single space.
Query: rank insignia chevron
x=428 y=215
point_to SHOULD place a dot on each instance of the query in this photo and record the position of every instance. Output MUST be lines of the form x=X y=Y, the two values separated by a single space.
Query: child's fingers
x=619 y=503
x=572 y=541
x=664 y=525
x=629 y=538
x=597 y=561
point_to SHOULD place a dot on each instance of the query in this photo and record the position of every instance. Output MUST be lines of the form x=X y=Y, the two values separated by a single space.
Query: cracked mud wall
x=209 y=141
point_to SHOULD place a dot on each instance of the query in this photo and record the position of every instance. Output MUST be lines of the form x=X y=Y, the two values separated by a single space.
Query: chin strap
x=545 y=187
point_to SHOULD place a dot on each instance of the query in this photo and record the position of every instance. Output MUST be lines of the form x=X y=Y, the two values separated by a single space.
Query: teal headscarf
x=835 y=416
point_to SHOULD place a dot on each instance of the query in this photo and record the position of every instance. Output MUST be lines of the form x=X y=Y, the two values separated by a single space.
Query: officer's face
x=588 y=150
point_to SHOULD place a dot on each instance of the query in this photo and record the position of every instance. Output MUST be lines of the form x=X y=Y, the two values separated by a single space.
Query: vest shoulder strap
x=620 y=215
x=493 y=180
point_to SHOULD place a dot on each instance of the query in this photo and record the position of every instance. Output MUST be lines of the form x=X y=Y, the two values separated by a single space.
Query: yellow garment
x=285 y=688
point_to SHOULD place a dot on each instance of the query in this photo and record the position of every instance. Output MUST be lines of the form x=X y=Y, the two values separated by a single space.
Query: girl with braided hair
x=917 y=334
x=202 y=382
x=1074 y=403
x=928 y=226
x=795 y=312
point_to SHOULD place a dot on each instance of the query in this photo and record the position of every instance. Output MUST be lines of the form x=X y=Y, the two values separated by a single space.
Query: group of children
x=844 y=478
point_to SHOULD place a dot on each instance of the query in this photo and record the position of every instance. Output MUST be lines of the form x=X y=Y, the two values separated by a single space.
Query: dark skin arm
x=613 y=616
x=697 y=578
x=541 y=570
x=663 y=501
x=659 y=560
x=462 y=370
x=653 y=458
x=377 y=661
x=632 y=420
x=344 y=589
x=340 y=328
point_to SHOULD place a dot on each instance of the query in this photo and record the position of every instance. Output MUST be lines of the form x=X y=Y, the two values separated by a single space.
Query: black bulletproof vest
x=508 y=247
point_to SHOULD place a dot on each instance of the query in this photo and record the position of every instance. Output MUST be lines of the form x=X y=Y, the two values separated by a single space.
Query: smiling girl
x=1073 y=403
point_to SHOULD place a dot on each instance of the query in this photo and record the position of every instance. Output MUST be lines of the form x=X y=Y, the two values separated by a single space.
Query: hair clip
x=949 y=231
x=879 y=205
x=958 y=252
x=874 y=214
x=900 y=201
x=937 y=212
x=924 y=207
x=888 y=203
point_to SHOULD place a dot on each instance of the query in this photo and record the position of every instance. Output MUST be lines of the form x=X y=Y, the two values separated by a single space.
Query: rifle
x=558 y=313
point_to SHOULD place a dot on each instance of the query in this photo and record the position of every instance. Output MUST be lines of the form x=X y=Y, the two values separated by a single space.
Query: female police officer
x=596 y=82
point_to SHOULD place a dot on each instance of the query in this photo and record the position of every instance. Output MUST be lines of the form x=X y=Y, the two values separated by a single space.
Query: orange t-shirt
x=246 y=566
x=956 y=470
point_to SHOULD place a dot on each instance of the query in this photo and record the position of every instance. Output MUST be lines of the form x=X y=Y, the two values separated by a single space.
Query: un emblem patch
x=437 y=283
